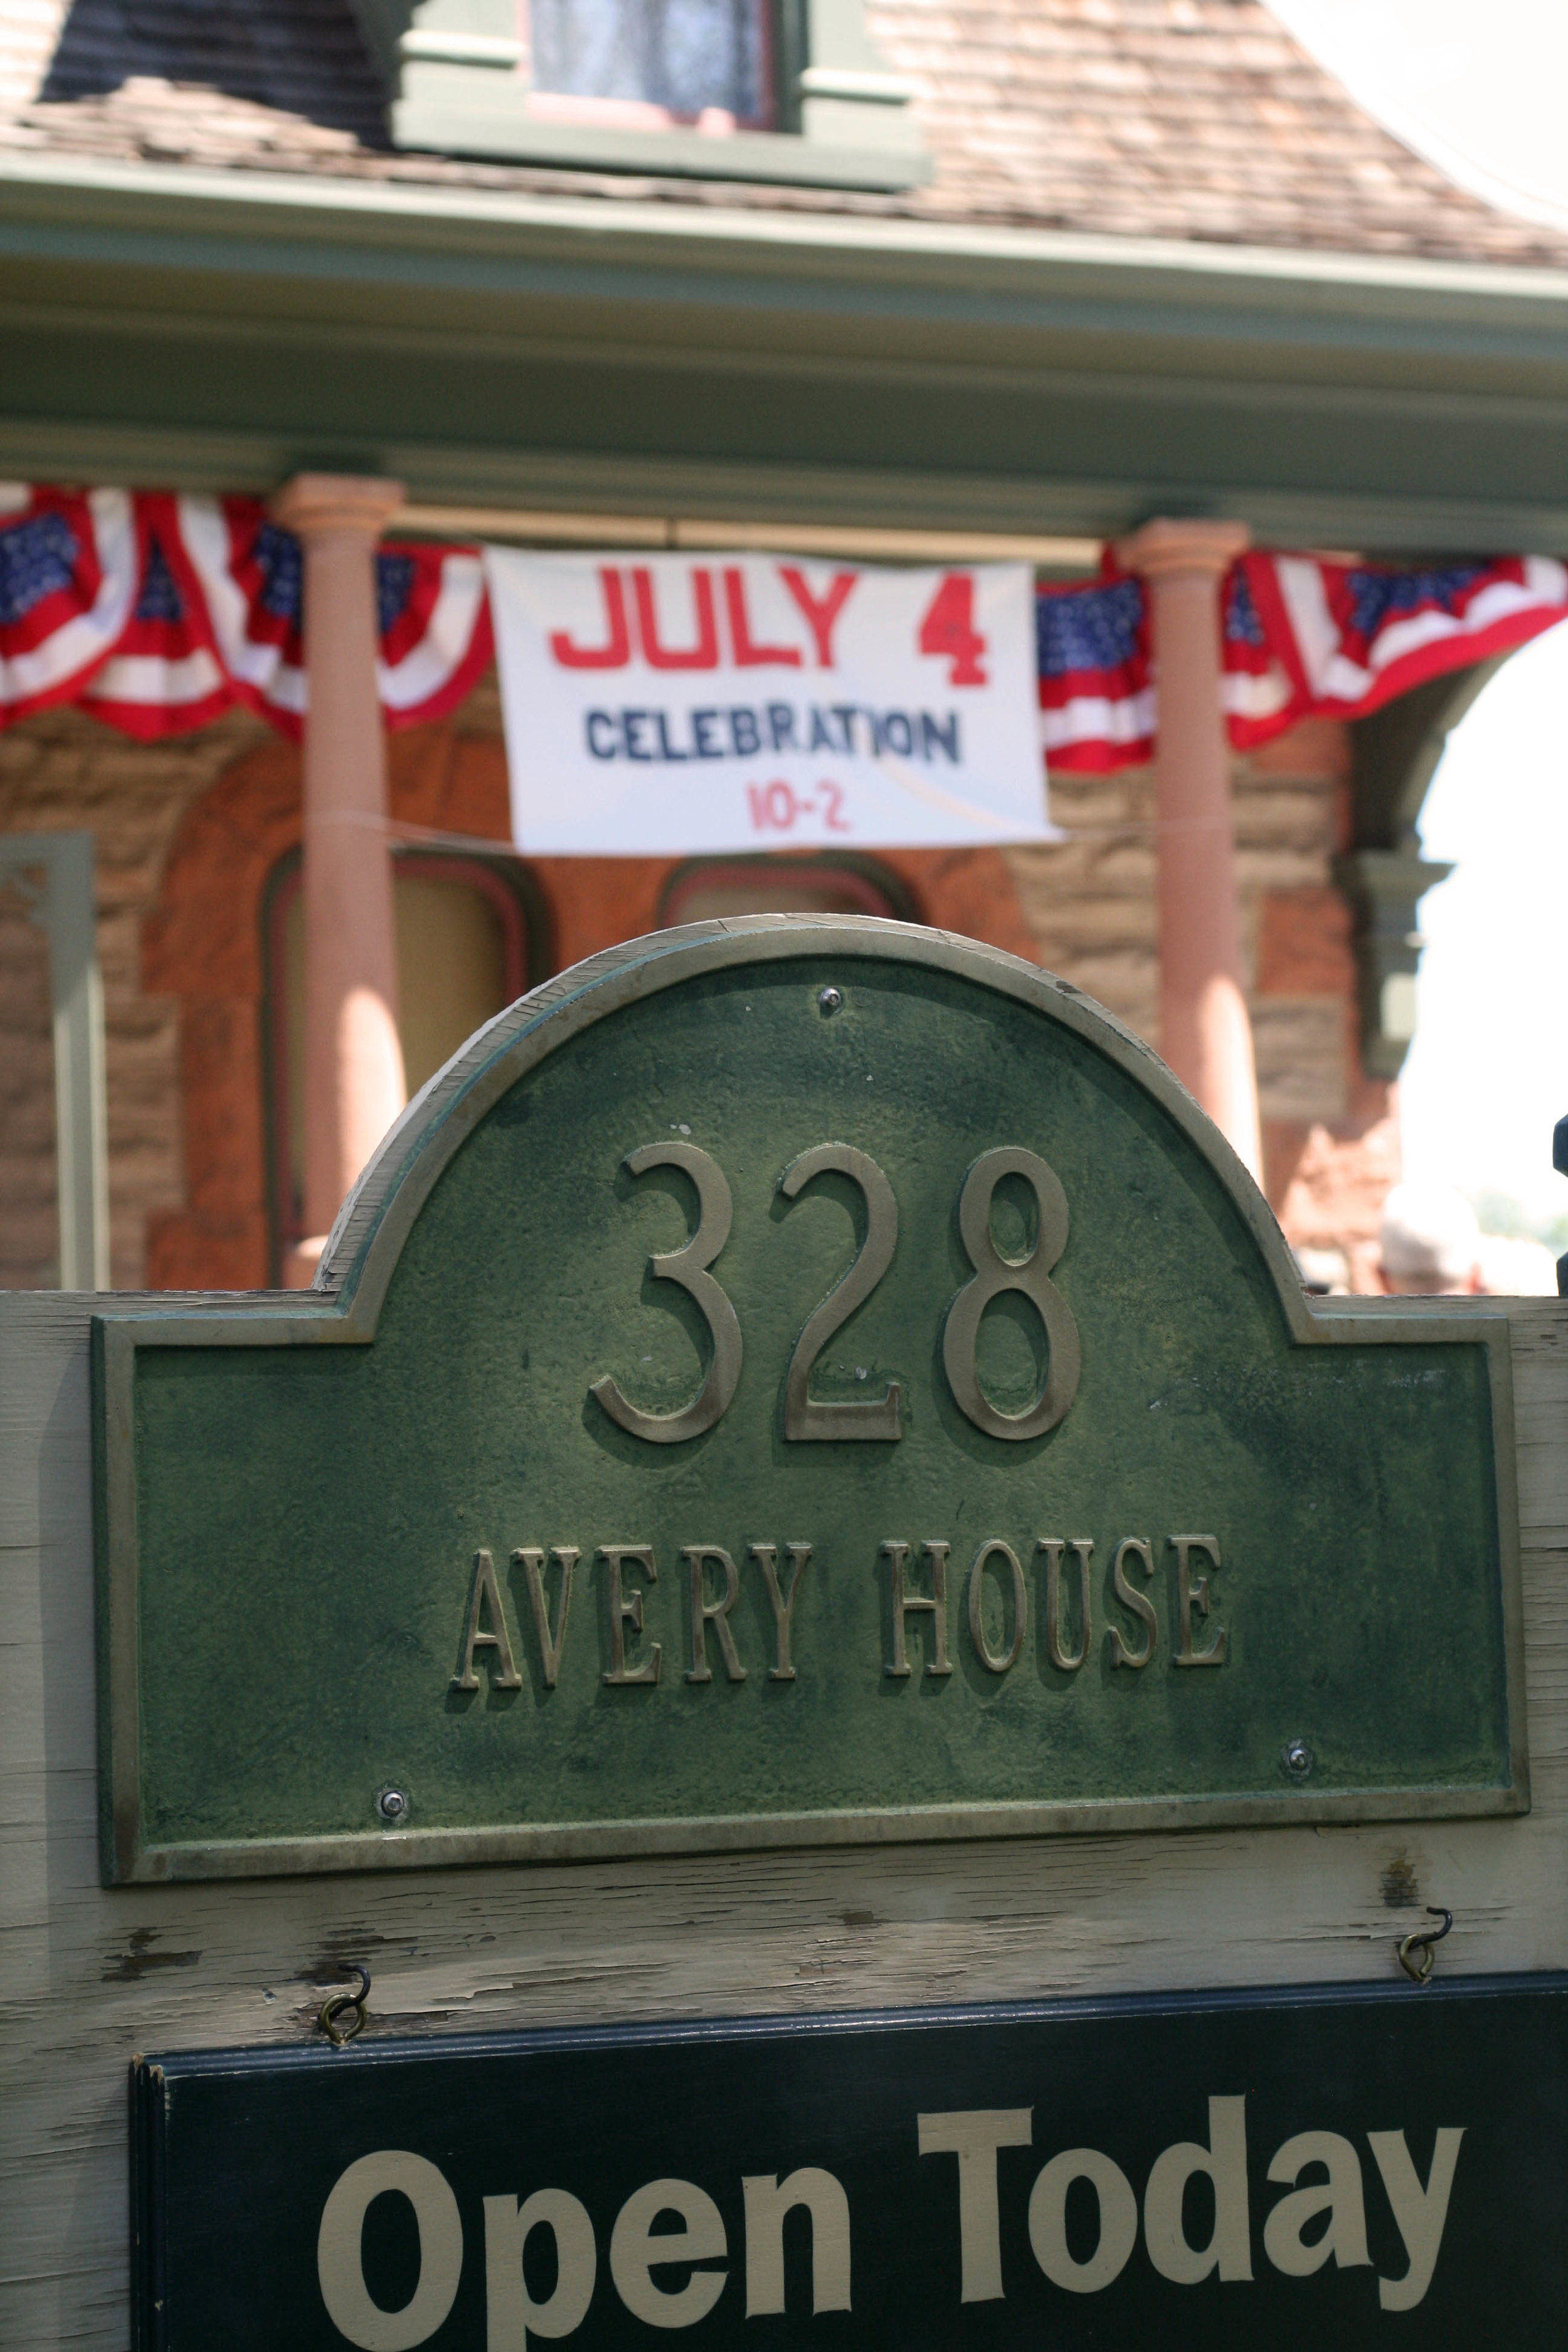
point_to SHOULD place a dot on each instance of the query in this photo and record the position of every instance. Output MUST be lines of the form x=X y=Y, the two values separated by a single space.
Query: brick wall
x=62 y=772
x=187 y=832
x=1331 y=1134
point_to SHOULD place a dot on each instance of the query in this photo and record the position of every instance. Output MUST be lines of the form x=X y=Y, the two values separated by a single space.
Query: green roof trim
x=501 y=347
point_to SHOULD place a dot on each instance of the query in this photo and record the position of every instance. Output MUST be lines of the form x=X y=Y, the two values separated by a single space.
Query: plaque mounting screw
x=391 y=1805
x=829 y=1000
x=1298 y=1758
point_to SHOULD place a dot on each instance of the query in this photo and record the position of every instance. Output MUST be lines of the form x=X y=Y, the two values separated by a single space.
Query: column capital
x=1195 y=547
x=322 y=506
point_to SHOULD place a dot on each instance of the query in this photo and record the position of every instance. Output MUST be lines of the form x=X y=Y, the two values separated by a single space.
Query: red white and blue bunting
x=431 y=615
x=1097 y=672
x=70 y=567
x=1301 y=638
x=1352 y=635
x=162 y=676
x=156 y=613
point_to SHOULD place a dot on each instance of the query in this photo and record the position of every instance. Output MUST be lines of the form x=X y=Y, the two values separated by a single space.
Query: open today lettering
x=1330 y=2206
x=916 y=1590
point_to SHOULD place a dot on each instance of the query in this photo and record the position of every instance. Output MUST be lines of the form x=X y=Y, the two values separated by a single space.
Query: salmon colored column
x=354 y=1061
x=1206 y=1034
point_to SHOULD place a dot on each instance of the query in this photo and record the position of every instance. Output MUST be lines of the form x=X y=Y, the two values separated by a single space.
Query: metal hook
x=1420 y=1968
x=339 y=2005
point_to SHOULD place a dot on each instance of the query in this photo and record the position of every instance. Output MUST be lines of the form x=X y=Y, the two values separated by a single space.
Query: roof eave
x=85 y=209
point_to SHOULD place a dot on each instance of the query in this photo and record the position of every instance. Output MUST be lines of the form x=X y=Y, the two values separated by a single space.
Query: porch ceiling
x=221 y=330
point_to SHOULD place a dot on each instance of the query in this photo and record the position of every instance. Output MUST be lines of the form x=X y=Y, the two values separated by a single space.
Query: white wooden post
x=64 y=909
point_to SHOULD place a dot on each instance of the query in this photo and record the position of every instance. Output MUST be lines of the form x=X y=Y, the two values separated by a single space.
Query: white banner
x=658 y=705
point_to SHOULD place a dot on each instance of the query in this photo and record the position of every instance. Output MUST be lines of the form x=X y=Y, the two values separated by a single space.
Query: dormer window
x=788 y=90
x=650 y=62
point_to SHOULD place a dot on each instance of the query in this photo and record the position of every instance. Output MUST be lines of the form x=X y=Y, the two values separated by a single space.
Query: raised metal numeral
x=1030 y=1278
x=688 y=1267
x=807 y=1417
x=868 y=1416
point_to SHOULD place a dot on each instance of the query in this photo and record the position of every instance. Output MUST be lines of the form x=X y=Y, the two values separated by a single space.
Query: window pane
x=683 y=55
x=453 y=975
x=451 y=969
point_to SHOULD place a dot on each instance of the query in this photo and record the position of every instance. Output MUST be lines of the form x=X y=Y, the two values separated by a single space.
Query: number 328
x=806 y=1416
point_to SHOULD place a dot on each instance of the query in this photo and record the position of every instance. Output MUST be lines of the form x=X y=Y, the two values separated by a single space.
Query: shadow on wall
x=304 y=57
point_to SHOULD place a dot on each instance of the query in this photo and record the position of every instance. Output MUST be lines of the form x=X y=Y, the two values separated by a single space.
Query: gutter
x=65 y=210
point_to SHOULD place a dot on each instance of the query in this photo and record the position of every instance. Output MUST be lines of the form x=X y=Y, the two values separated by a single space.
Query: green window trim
x=52 y=873
x=455 y=72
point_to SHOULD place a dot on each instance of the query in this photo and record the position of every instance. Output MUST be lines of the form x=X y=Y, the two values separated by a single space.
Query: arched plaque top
x=376 y=1220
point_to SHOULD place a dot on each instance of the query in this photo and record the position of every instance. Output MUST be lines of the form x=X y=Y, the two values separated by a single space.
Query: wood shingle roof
x=1192 y=120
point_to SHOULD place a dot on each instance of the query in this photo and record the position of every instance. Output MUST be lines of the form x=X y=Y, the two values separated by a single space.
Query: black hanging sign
x=1345 y=2165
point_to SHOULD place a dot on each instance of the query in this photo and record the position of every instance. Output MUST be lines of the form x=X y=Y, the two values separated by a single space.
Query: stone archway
x=202 y=945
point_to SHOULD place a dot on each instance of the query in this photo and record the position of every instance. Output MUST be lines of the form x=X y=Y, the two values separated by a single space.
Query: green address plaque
x=795 y=1381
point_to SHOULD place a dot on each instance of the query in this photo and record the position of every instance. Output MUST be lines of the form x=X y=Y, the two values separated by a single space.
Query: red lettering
x=704 y=654
x=747 y=654
x=775 y=806
x=948 y=629
x=618 y=651
x=818 y=613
